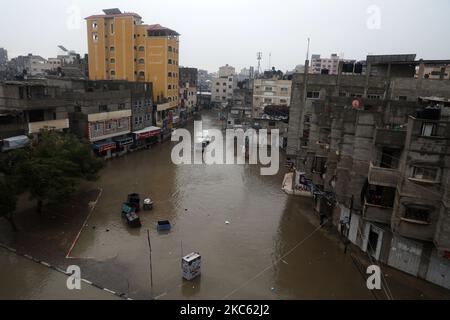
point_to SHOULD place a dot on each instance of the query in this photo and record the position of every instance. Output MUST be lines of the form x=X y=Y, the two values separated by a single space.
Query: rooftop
x=112 y=13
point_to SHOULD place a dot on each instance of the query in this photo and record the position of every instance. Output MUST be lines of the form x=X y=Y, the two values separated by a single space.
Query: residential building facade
x=188 y=92
x=376 y=149
x=272 y=91
x=122 y=47
x=223 y=86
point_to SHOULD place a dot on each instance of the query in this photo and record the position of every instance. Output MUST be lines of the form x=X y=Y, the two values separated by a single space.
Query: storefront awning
x=124 y=141
x=147 y=133
x=104 y=147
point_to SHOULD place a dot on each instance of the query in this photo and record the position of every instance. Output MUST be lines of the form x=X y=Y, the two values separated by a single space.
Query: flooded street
x=22 y=279
x=268 y=251
x=271 y=247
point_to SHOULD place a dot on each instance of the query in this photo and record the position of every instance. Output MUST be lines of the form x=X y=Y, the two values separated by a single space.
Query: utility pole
x=150 y=256
x=349 y=223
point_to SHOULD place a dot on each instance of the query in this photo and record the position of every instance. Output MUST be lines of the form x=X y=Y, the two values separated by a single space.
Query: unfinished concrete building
x=378 y=143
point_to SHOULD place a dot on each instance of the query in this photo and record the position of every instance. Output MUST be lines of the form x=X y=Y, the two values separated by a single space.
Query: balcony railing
x=390 y=137
x=383 y=176
x=36 y=127
x=376 y=213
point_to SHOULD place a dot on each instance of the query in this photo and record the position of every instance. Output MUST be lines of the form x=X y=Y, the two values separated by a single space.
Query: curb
x=48 y=265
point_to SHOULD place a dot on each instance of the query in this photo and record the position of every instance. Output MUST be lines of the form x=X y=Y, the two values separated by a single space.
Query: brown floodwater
x=22 y=279
x=244 y=259
x=271 y=248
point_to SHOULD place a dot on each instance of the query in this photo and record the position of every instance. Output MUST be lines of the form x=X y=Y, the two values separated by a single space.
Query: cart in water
x=134 y=200
x=129 y=213
x=191 y=266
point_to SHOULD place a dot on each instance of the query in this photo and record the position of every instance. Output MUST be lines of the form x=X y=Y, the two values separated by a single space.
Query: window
x=95 y=37
x=283 y=101
x=113 y=61
x=113 y=72
x=319 y=165
x=97 y=127
x=103 y=108
x=268 y=89
x=112 y=28
x=141 y=48
x=417 y=213
x=121 y=106
x=169 y=87
x=170 y=61
x=141 y=61
x=429 y=129
x=284 y=89
x=402 y=98
x=170 y=75
x=267 y=100
x=423 y=173
x=170 y=49
x=373 y=97
x=313 y=95
x=141 y=74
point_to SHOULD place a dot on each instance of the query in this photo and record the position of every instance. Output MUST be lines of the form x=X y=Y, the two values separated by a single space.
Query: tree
x=8 y=201
x=55 y=165
x=9 y=184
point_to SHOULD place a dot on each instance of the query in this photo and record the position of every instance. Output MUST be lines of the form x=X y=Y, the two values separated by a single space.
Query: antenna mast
x=259 y=57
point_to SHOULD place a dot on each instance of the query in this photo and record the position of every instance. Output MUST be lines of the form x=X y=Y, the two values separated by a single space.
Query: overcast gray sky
x=217 y=32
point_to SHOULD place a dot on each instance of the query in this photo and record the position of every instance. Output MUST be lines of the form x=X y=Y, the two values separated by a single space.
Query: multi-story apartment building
x=223 y=86
x=32 y=65
x=227 y=71
x=113 y=116
x=188 y=91
x=204 y=81
x=272 y=91
x=3 y=57
x=376 y=148
x=27 y=107
x=330 y=65
x=122 y=47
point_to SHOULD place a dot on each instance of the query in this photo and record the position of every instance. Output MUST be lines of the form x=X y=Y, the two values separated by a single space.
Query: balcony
x=390 y=137
x=36 y=127
x=376 y=213
x=383 y=176
x=106 y=116
x=164 y=106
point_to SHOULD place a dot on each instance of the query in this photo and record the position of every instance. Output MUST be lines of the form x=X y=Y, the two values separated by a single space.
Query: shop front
x=124 y=144
x=147 y=137
x=105 y=149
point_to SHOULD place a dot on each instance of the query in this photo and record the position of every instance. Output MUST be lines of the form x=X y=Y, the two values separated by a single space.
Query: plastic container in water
x=148 y=204
x=164 y=226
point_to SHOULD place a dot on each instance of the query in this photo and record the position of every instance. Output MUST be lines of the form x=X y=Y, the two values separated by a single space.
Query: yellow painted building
x=122 y=47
